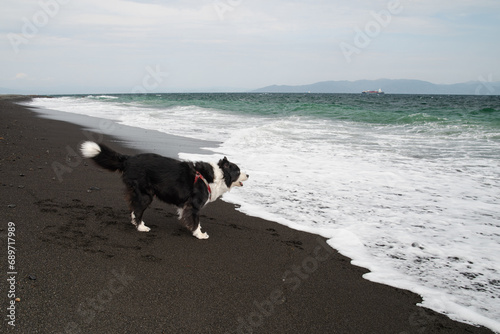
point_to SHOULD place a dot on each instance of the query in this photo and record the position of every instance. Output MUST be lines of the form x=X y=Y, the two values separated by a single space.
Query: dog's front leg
x=200 y=235
x=191 y=219
x=196 y=226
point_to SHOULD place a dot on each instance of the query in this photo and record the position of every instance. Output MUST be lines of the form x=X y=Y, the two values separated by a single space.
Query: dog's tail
x=103 y=156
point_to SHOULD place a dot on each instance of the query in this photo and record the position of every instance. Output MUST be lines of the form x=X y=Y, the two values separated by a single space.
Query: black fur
x=172 y=181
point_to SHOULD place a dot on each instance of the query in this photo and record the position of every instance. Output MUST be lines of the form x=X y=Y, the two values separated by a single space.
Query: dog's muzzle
x=239 y=182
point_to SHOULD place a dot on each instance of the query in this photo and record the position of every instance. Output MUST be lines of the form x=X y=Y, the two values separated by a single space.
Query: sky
x=118 y=46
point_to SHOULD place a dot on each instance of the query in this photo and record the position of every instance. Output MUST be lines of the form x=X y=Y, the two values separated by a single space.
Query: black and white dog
x=187 y=185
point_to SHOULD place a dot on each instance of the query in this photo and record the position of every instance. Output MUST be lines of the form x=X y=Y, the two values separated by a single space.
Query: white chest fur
x=218 y=187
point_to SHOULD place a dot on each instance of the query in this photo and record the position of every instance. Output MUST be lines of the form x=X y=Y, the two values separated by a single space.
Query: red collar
x=198 y=177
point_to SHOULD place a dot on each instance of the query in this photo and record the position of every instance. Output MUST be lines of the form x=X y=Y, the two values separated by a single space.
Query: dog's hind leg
x=191 y=219
x=140 y=226
x=138 y=203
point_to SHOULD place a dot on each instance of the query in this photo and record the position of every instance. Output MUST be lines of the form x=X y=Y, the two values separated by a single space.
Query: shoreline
x=81 y=266
x=133 y=137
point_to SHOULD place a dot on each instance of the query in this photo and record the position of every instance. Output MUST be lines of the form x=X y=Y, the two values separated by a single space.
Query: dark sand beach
x=80 y=266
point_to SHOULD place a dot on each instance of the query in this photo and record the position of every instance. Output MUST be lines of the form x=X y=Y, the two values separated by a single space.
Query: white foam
x=415 y=220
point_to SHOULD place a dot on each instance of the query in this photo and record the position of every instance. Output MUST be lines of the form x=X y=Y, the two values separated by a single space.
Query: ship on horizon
x=373 y=91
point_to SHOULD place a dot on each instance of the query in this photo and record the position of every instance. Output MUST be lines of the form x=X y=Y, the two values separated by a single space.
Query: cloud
x=20 y=76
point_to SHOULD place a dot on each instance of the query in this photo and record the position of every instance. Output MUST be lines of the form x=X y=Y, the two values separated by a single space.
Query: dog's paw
x=200 y=235
x=143 y=228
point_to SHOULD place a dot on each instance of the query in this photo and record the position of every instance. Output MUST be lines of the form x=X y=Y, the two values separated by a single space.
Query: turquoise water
x=386 y=109
x=405 y=185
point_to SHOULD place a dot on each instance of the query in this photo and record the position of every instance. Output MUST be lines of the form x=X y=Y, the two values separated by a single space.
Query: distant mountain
x=389 y=86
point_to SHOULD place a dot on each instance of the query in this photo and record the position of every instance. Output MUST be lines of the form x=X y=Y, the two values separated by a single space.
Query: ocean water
x=407 y=186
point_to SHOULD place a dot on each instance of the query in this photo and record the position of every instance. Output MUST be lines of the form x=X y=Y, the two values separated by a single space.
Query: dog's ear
x=224 y=163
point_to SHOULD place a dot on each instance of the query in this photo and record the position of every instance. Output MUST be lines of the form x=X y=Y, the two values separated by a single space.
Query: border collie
x=187 y=185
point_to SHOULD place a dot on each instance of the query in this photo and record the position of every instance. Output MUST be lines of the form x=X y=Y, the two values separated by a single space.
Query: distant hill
x=389 y=86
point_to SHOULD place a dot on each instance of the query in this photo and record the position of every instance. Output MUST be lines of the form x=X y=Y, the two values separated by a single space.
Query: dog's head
x=233 y=177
